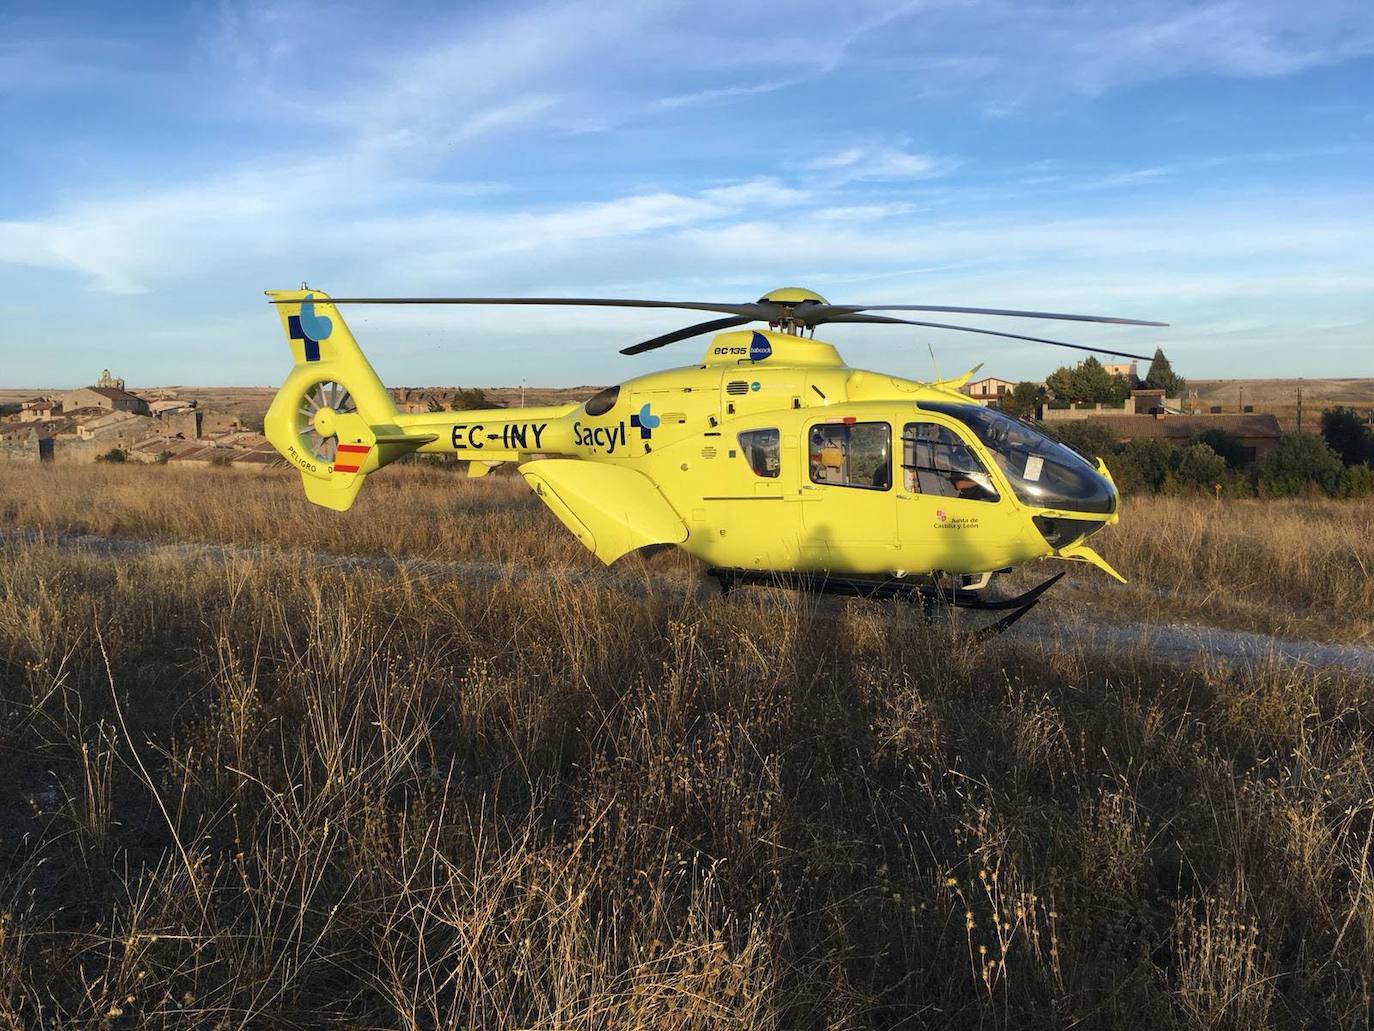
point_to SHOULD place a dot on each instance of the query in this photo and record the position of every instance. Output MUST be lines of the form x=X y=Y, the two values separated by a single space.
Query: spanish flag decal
x=350 y=457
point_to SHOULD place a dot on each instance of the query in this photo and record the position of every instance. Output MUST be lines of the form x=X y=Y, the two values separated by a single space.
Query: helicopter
x=770 y=459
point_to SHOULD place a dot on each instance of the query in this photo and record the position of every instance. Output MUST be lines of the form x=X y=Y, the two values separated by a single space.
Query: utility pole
x=1240 y=405
x=1299 y=404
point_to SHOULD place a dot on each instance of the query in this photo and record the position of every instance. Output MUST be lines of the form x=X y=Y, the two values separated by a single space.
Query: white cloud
x=878 y=163
x=708 y=96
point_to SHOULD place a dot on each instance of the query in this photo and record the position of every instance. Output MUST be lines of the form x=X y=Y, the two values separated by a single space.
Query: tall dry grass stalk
x=267 y=791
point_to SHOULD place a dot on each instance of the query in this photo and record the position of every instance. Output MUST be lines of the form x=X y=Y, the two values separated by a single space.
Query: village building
x=112 y=399
x=988 y=390
x=39 y=409
x=1129 y=371
x=119 y=429
x=163 y=406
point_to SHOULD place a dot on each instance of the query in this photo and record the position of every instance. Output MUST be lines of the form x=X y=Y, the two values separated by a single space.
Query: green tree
x=1090 y=439
x=471 y=397
x=1147 y=462
x=1227 y=445
x=1162 y=376
x=1349 y=437
x=1088 y=381
x=1300 y=460
x=113 y=455
x=1198 y=467
x=1023 y=399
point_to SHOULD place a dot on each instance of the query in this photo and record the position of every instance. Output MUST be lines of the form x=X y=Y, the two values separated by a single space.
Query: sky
x=1202 y=162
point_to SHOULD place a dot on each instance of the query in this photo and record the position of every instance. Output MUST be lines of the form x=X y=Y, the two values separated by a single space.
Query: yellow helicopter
x=770 y=459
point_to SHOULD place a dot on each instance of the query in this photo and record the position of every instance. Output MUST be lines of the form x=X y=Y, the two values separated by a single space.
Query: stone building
x=113 y=399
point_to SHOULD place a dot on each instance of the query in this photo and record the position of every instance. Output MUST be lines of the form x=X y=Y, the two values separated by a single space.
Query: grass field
x=279 y=789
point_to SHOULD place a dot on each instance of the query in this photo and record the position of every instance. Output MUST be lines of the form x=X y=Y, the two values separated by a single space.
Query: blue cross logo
x=310 y=328
x=646 y=422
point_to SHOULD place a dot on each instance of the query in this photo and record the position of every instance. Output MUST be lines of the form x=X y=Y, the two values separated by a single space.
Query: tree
x=1148 y=461
x=1227 y=445
x=1162 y=376
x=1348 y=436
x=1090 y=439
x=1300 y=460
x=1198 y=467
x=1088 y=381
x=1023 y=399
x=471 y=397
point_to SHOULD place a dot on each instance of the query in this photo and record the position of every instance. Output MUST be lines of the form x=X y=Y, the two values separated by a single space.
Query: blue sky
x=1207 y=163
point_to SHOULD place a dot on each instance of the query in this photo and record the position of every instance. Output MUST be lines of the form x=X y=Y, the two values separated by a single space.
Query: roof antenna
x=932 y=361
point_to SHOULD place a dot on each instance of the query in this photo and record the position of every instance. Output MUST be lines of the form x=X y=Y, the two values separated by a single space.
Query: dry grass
x=270 y=792
x=1297 y=568
x=1293 y=568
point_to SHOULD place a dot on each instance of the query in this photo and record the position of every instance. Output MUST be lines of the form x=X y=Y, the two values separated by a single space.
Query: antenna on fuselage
x=933 y=365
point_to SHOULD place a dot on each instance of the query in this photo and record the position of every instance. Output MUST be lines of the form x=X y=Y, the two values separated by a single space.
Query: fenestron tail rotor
x=324 y=396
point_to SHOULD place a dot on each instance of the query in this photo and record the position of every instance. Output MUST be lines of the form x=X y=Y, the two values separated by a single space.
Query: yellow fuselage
x=688 y=479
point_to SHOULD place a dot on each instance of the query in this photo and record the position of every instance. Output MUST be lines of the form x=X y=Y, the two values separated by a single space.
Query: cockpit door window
x=936 y=461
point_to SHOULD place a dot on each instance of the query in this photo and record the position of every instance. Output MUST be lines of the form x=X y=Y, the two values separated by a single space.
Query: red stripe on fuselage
x=355 y=449
x=345 y=468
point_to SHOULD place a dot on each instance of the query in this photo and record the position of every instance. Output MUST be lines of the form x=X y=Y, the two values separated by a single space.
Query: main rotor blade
x=985 y=332
x=683 y=334
x=823 y=313
x=752 y=311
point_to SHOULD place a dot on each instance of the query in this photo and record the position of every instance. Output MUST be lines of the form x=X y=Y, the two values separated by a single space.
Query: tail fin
x=332 y=418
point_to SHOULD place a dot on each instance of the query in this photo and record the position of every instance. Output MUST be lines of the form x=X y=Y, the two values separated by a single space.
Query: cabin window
x=762 y=450
x=855 y=454
x=936 y=461
x=603 y=402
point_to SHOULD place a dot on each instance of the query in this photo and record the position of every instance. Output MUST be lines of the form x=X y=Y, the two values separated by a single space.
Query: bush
x=1090 y=439
x=1227 y=445
x=1240 y=484
x=1356 y=481
x=1348 y=436
x=1197 y=467
x=1150 y=461
x=1300 y=461
x=113 y=455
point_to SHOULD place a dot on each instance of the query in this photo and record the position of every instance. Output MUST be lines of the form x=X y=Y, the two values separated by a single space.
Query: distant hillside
x=1319 y=392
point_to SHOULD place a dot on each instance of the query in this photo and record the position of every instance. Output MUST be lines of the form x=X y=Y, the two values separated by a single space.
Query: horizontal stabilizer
x=416 y=440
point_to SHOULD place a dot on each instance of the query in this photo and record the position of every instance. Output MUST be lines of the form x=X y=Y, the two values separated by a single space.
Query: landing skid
x=930 y=593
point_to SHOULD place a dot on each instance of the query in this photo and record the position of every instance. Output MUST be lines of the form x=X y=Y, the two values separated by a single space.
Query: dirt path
x=1173 y=642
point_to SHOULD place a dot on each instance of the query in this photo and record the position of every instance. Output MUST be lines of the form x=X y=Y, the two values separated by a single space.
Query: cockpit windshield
x=1042 y=472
